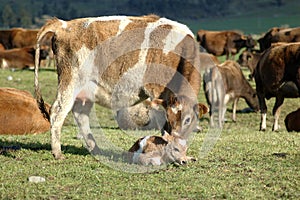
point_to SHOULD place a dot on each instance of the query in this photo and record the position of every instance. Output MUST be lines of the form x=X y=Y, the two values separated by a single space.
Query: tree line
x=27 y=13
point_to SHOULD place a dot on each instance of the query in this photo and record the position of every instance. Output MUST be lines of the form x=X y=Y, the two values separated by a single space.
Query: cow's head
x=182 y=115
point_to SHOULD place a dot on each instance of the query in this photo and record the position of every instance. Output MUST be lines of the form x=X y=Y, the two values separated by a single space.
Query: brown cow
x=20 y=113
x=18 y=38
x=276 y=34
x=157 y=150
x=118 y=61
x=223 y=83
x=226 y=43
x=277 y=75
x=292 y=121
x=19 y=58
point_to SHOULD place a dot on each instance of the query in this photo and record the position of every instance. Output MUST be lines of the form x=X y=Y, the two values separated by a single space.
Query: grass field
x=244 y=163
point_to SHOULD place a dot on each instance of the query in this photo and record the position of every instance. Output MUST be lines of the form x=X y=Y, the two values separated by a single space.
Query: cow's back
x=292 y=121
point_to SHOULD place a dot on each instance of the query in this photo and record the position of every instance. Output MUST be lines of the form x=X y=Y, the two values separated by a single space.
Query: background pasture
x=244 y=163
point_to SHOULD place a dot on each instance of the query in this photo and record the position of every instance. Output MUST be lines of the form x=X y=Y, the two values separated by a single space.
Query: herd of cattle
x=114 y=61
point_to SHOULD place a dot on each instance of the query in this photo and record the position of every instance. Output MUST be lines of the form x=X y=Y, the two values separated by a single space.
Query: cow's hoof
x=262 y=129
x=58 y=156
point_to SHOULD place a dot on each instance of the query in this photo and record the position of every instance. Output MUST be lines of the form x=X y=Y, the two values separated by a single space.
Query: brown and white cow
x=276 y=34
x=19 y=58
x=223 y=83
x=277 y=75
x=292 y=121
x=226 y=43
x=118 y=61
x=20 y=113
x=159 y=150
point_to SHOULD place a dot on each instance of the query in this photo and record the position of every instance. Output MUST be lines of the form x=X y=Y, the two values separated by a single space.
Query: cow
x=277 y=34
x=20 y=58
x=18 y=38
x=277 y=75
x=226 y=43
x=223 y=83
x=2 y=47
x=20 y=113
x=119 y=61
x=159 y=150
x=292 y=121
x=249 y=59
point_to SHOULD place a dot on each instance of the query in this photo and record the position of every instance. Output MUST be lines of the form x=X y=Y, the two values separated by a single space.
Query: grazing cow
x=223 y=83
x=249 y=59
x=20 y=113
x=157 y=150
x=226 y=43
x=276 y=34
x=292 y=121
x=277 y=75
x=19 y=58
x=118 y=61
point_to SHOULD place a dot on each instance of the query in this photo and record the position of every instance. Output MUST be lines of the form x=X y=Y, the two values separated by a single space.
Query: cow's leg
x=234 y=105
x=59 y=111
x=276 y=112
x=263 y=111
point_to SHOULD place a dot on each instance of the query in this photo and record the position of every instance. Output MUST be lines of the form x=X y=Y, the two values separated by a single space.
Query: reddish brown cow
x=223 y=83
x=20 y=113
x=118 y=61
x=19 y=38
x=226 y=43
x=277 y=75
x=292 y=121
x=276 y=34
x=19 y=58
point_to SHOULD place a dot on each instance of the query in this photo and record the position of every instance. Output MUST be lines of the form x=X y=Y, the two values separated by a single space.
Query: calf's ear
x=202 y=109
x=155 y=103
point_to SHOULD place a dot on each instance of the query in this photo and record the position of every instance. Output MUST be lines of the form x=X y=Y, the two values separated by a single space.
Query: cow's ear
x=202 y=109
x=155 y=103
x=168 y=137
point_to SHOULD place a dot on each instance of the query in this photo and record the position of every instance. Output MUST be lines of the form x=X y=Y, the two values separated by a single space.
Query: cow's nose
x=183 y=162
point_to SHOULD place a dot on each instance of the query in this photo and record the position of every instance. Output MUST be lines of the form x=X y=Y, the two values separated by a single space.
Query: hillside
x=248 y=16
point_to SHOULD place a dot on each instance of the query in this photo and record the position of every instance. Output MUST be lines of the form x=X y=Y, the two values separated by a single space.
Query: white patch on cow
x=228 y=97
x=156 y=161
x=177 y=108
x=87 y=76
x=263 y=120
x=142 y=144
x=182 y=142
x=105 y=18
x=123 y=25
x=4 y=64
x=64 y=24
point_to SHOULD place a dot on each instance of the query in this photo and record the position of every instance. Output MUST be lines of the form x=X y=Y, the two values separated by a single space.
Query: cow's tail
x=48 y=27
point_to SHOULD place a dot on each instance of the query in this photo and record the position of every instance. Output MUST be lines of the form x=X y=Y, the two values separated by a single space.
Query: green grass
x=244 y=163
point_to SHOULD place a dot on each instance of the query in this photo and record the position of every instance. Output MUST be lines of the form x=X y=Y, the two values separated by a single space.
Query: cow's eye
x=187 y=121
x=176 y=149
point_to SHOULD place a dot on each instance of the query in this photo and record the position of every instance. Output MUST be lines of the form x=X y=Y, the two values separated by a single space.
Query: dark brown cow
x=292 y=121
x=223 y=83
x=249 y=59
x=276 y=34
x=20 y=113
x=118 y=61
x=277 y=75
x=19 y=58
x=226 y=43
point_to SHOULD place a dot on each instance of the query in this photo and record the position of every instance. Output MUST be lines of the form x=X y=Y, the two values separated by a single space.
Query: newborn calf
x=159 y=150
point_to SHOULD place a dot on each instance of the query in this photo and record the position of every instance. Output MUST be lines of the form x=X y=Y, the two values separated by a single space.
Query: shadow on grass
x=6 y=147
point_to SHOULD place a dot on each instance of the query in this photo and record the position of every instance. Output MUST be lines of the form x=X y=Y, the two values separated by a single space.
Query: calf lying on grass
x=20 y=113
x=159 y=150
